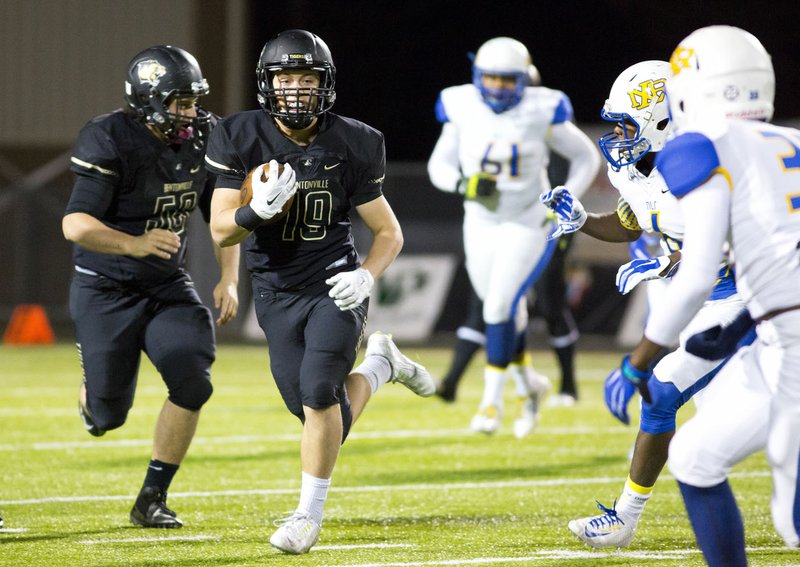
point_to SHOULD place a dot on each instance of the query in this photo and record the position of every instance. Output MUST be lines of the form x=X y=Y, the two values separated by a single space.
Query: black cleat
x=150 y=510
x=88 y=424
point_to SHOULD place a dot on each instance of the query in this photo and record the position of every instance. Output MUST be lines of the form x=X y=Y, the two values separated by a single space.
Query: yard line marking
x=294 y=437
x=12 y=530
x=362 y=489
x=548 y=554
x=148 y=539
x=362 y=546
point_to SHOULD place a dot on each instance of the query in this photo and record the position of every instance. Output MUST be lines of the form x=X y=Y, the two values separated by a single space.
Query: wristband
x=247 y=218
x=633 y=374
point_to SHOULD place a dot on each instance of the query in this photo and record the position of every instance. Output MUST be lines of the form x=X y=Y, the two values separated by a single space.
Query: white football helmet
x=508 y=57
x=720 y=71
x=637 y=98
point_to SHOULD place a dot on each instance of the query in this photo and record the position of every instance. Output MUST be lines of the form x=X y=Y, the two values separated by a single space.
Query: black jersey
x=133 y=182
x=343 y=167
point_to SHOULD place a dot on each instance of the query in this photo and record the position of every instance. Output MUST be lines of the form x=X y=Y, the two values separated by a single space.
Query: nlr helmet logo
x=643 y=96
x=150 y=72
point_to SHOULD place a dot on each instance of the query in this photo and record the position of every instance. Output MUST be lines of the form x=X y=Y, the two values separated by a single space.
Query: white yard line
x=294 y=437
x=148 y=539
x=361 y=489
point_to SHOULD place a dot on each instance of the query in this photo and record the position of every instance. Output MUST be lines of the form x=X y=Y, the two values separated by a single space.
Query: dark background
x=393 y=58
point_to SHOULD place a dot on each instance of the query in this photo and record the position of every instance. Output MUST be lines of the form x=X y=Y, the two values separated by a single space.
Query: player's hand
x=618 y=392
x=269 y=196
x=570 y=214
x=226 y=299
x=481 y=187
x=156 y=242
x=633 y=273
x=620 y=386
x=719 y=342
x=350 y=289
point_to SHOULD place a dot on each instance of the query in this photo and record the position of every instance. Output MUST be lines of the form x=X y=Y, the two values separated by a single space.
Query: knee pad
x=191 y=394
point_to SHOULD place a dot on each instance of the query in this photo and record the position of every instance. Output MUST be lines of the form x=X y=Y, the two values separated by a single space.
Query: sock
x=465 y=349
x=566 y=361
x=494 y=381
x=160 y=474
x=632 y=501
x=313 y=492
x=377 y=371
x=717 y=523
x=519 y=372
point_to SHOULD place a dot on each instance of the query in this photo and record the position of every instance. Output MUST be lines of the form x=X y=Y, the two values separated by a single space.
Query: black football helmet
x=296 y=49
x=158 y=75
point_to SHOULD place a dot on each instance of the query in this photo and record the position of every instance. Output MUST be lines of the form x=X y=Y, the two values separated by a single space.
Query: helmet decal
x=642 y=95
x=150 y=72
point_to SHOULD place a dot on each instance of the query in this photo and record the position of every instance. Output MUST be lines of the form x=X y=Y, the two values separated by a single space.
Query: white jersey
x=657 y=211
x=513 y=146
x=758 y=167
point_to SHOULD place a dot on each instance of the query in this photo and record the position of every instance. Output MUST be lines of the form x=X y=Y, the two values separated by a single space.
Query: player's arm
x=387 y=235
x=224 y=230
x=226 y=295
x=568 y=141
x=608 y=228
x=90 y=233
x=706 y=211
x=443 y=166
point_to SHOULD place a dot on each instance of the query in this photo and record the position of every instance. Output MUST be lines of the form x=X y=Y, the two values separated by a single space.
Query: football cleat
x=404 y=370
x=605 y=530
x=561 y=401
x=296 y=534
x=447 y=392
x=527 y=416
x=88 y=424
x=487 y=420
x=150 y=510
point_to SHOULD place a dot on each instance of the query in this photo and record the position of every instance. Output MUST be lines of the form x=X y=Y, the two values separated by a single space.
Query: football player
x=496 y=137
x=638 y=108
x=140 y=173
x=311 y=291
x=734 y=174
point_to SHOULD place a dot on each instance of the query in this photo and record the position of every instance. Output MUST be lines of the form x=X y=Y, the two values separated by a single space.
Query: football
x=246 y=191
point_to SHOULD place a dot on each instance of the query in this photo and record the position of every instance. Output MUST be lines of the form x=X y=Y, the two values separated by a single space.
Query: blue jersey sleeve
x=686 y=162
x=441 y=113
x=563 y=111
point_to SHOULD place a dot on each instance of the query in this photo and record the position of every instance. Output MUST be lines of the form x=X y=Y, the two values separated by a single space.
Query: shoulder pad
x=686 y=162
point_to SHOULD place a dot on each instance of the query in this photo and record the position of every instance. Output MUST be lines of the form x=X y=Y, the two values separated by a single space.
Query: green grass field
x=412 y=487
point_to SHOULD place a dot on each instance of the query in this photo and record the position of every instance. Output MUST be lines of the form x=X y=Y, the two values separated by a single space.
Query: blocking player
x=496 y=136
x=140 y=173
x=638 y=108
x=734 y=174
x=311 y=290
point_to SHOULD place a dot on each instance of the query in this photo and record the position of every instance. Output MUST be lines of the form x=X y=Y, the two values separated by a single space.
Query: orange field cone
x=29 y=326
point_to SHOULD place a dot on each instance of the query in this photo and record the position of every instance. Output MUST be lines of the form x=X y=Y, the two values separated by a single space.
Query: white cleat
x=487 y=420
x=405 y=371
x=606 y=530
x=527 y=416
x=297 y=534
x=561 y=401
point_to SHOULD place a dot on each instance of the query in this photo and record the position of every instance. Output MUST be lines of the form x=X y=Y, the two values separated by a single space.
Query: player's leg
x=551 y=302
x=179 y=340
x=781 y=358
x=731 y=424
x=512 y=270
x=676 y=379
x=469 y=339
x=108 y=323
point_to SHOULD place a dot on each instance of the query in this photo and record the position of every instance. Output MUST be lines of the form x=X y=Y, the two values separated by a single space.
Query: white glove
x=570 y=214
x=269 y=196
x=350 y=289
x=631 y=274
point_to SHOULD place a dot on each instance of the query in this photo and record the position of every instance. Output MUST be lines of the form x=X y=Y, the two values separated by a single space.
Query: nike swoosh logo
x=327 y=167
x=665 y=190
x=157 y=468
x=270 y=201
x=194 y=169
